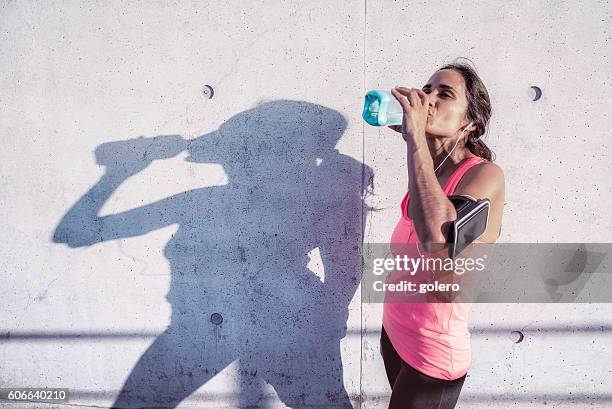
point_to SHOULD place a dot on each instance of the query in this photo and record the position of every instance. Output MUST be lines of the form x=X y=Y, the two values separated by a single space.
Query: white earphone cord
x=449 y=154
x=435 y=170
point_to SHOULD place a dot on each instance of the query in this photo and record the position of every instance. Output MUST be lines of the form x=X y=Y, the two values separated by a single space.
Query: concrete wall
x=163 y=246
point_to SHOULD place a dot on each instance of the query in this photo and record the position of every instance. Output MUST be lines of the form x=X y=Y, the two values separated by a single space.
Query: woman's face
x=447 y=104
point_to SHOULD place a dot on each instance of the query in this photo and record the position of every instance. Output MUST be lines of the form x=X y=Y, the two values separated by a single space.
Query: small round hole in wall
x=517 y=337
x=216 y=318
x=535 y=93
x=208 y=91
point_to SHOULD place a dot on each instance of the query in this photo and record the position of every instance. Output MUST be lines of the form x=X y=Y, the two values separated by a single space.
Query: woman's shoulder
x=485 y=165
x=484 y=175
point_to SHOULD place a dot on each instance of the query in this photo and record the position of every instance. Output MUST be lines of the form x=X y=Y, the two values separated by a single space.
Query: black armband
x=471 y=223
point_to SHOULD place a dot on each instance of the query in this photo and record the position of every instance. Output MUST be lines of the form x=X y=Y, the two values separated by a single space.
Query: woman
x=426 y=346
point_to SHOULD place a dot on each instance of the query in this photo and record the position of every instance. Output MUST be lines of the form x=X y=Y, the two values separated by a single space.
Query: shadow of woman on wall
x=240 y=288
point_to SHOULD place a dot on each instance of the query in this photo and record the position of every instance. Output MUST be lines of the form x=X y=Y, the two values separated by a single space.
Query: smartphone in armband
x=471 y=223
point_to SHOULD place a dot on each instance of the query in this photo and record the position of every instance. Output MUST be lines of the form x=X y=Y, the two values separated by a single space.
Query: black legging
x=412 y=389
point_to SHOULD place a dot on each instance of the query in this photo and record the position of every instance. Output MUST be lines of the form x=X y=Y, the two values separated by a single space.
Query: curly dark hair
x=479 y=108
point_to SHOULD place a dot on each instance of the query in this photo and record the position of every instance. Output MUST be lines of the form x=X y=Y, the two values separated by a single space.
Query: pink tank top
x=431 y=337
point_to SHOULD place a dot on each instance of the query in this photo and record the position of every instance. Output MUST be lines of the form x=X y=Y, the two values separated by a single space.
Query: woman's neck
x=440 y=147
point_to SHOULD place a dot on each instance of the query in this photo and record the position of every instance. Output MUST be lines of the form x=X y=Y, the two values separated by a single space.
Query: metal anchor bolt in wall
x=517 y=337
x=208 y=91
x=216 y=318
x=535 y=93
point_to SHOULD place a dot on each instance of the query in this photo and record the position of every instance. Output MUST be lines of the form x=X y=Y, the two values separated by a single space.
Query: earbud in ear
x=470 y=136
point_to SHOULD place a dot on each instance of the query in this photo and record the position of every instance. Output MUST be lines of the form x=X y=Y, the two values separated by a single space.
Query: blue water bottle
x=382 y=109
